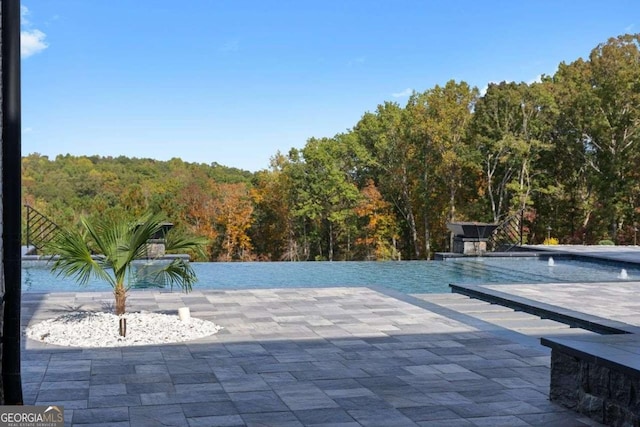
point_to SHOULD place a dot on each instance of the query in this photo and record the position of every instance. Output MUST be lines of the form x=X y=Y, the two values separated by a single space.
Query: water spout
x=551 y=262
x=623 y=274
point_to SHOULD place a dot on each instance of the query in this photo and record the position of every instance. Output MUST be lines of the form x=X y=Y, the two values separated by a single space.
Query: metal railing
x=40 y=229
x=508 y=235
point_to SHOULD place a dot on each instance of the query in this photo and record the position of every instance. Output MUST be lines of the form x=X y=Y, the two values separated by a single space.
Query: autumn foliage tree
x=564 y=150
x=233 y=217
x=378 y=226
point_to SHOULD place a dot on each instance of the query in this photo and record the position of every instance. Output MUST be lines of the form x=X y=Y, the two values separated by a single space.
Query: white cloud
x=403 y=94
x=629 y=28
x=32 y=40
x=538 y=79
x=24 y=11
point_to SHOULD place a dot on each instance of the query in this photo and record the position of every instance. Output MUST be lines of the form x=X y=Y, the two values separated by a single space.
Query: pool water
x=403 y=276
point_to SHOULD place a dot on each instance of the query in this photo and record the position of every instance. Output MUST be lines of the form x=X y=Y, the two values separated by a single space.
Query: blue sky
x=234 y=82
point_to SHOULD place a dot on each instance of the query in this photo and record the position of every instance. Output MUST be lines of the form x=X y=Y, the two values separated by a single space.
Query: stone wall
x=155 y=248
x=604 y=394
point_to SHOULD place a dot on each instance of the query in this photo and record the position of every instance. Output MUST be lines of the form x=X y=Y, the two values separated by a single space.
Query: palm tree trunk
x=121 y=299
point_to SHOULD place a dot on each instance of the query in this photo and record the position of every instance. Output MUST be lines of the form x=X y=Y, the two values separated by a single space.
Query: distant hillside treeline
x=566 y=150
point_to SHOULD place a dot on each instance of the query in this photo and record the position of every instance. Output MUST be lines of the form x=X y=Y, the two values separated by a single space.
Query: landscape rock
x=98 y=329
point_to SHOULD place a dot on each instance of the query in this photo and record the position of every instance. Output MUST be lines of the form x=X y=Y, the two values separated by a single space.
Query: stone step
x=566 y=332
x=530 y=324
x=442 y=297
x=462 y=303
x=505 y=317
x=475 y=306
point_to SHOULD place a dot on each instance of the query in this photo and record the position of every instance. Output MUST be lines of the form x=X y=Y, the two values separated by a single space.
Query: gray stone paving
x=292 y=357
x=500 y=319
x=616 y=301
x=630 y=254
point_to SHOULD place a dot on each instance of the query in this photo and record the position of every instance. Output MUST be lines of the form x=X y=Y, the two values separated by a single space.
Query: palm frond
x=180 y=242
x=118 y=244
x=178 y=273
x=145 y=229
x=74 y=259
x=108 y=237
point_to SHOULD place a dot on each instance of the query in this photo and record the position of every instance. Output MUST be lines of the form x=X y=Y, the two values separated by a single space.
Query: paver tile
x=217 y=421
x=382 y=417
x=284 y=419
x=219 y=408
x=323 y=416
x=257 y=402
x=304 y=396
x=429 y=413
x=498 y=421
x=107 y=390
x=157 y=415
x=100 y=415
x=291 y=357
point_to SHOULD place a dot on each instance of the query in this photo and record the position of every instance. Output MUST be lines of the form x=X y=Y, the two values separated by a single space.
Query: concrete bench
x=598 y=376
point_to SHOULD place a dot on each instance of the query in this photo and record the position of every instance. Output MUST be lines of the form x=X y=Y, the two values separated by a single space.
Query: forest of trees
x=564 y=150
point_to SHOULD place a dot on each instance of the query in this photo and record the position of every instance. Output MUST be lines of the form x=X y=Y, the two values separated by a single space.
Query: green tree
x=614 y=134
x=597 y=134
x=570 y=208
x=439 y=119
x=327 y=193
x=510 y=126
x=393 y=164
x=275 y=229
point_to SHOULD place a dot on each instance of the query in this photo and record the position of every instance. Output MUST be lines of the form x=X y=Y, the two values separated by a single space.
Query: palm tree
x=106 y=249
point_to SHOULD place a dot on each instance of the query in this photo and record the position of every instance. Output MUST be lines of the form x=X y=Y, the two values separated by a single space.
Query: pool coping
x=534 y=252
x=573 y=318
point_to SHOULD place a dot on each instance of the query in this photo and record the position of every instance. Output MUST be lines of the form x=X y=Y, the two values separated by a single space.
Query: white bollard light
x=184 y=314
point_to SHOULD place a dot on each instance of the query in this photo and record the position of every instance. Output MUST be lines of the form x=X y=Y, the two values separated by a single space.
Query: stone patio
x=294 y=357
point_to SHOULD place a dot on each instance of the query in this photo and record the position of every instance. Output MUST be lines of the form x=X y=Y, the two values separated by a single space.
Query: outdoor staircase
x=505 y=317
x=40 y=230
x=508 y=235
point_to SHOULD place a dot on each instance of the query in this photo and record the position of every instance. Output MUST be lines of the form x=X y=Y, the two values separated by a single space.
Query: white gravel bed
x=91 y=329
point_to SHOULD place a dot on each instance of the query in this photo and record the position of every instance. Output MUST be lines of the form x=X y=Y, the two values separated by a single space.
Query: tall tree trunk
x=427 y=231
x=411 y=220
x=330 y=241
x=348 y=256
x=452 y=213
x=120 y=294
x=427 y=236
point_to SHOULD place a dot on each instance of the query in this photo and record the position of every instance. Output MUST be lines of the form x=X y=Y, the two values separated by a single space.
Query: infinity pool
x=403 y=276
